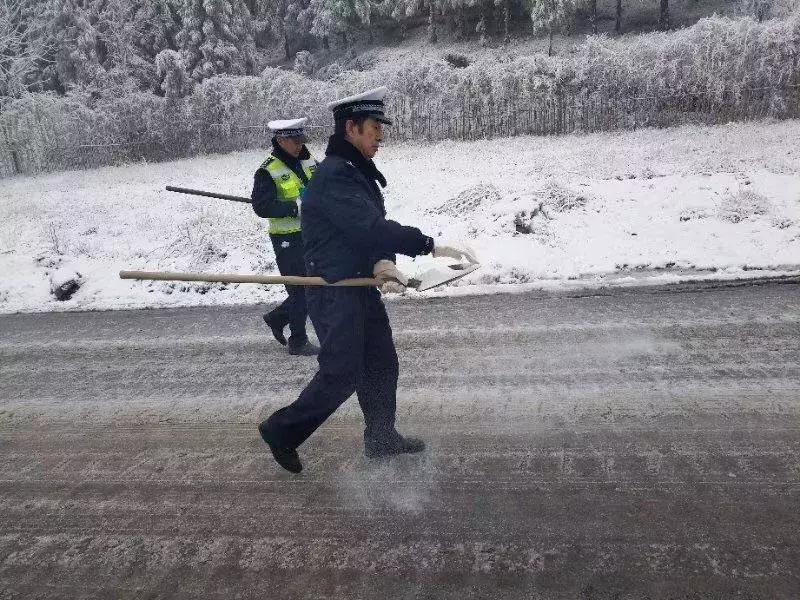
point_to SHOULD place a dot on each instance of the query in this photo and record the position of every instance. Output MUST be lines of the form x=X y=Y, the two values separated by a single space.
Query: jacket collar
x=339 y=146
x=287 y=158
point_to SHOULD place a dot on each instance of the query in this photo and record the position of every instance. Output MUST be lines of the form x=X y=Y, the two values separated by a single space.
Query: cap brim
x=382 y=119
x=300 y=138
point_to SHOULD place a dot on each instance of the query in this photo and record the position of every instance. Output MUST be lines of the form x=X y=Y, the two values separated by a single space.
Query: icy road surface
x=627 y=444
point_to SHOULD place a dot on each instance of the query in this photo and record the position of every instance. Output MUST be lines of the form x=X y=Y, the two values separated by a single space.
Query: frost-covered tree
x=397 y=13
x=175 y=81
x=593 y=15
x=456 y=11
x=109 y=46
x=296 y=24
x=551 y=16
x=433 y=8
x=157 y=25
x=126 y=64
x=340 y=17
x=80 y=54
x=24 y=45
x=663 y=15
x=216 y=38
x=266 y=20
x=480 y=29
x=760 y=9
x=505 y=8
x=471 y=16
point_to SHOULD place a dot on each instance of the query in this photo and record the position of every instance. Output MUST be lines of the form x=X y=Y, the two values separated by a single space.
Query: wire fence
x=41 y=142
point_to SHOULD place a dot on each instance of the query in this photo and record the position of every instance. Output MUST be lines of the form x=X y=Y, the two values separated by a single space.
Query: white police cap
x=289 y=128
x=366 y=104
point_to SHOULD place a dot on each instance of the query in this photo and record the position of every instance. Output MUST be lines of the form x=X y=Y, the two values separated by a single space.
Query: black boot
x=390 y=445
x=285 y=457
x=277 y=325
x=304 y=348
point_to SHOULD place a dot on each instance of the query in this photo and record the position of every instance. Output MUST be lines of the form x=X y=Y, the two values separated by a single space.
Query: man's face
x=292 y=146
x=367 y=137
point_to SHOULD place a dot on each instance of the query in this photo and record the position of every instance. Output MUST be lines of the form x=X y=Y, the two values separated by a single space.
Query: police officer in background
x=277 y=190
x=346 y=235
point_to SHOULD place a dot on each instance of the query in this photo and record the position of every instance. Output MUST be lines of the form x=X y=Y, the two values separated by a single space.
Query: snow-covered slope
x=573 y=210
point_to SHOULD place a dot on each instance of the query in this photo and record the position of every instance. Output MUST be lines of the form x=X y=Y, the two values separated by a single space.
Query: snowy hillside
x=576 y=210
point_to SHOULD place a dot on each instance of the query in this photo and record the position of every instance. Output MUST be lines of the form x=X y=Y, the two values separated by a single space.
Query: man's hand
x=455 y=252
x=394 y=282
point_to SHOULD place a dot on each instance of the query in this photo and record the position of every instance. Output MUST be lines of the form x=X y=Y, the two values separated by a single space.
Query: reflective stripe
x=289 y=187
x=282 y=225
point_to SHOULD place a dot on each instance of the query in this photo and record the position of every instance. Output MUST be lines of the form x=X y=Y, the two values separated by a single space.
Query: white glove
x=455 y=252
x=394 y=282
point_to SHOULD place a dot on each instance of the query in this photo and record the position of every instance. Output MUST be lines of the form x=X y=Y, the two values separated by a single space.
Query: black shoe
x=285 y=457
x=304 y=349
x=277 y=326
x=392 y=445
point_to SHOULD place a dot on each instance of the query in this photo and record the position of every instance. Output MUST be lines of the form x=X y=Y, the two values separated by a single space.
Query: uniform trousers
x=357 y=354
x=292 y=311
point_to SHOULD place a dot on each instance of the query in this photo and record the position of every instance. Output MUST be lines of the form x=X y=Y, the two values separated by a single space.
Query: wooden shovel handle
x=237 y=278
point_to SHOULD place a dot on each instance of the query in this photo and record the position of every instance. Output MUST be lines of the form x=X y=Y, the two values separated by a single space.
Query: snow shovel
x=429 y=279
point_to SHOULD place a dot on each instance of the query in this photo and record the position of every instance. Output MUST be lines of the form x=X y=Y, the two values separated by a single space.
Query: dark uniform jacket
x=345 y=230
x=265 y=195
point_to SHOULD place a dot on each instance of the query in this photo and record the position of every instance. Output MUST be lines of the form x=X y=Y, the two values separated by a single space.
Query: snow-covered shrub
x=693 y=213
x=359 y=62
x=783 y=8
x=743 y=205
x=468 y=201
x=459 y=61
x=783 y=223
x=304 y=63
x=715 y=56
x=559 y=198
x=223 y=101
x=287 y=93
x=330 y=71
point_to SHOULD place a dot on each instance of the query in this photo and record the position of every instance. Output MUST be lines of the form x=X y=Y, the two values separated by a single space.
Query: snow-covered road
x=627 y=444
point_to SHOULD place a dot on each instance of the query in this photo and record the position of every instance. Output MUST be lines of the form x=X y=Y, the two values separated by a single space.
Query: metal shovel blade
x=439 y=276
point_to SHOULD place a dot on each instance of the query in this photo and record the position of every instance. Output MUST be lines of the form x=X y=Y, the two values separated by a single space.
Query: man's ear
x=352 y=127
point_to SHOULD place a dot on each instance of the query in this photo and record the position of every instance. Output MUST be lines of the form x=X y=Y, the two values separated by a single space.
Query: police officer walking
x=277 y=189
x=347 y=235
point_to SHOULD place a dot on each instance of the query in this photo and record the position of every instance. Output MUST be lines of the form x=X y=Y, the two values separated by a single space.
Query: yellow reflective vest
x=289 y=187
